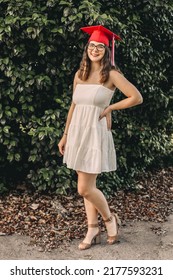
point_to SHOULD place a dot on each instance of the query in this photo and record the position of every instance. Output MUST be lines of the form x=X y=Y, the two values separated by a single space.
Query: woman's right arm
x=62 y=142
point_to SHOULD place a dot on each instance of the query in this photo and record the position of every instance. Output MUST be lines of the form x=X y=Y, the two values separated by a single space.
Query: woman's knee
x=86 y=182
x=82 y=190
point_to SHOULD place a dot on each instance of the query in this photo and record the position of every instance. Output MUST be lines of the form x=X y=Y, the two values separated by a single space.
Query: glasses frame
x=96 y=46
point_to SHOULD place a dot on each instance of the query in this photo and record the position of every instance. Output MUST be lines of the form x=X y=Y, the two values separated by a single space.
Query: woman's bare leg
x=91 y=212
x=92 y=219
x=87 y=188
x=94 y=201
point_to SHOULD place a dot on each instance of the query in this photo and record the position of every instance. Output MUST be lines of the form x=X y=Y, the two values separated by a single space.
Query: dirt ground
x=138 y=241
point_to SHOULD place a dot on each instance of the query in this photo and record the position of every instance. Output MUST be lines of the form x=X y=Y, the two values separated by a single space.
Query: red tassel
x=112 y=52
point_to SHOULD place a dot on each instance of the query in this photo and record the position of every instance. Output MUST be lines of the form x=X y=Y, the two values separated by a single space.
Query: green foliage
x=40 y=50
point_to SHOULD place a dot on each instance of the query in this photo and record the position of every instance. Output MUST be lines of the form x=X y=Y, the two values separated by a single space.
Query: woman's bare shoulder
x=76 y=76
x=115 y=73
x=76 y=79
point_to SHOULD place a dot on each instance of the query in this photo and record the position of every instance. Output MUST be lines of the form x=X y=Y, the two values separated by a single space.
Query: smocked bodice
x=92 y=94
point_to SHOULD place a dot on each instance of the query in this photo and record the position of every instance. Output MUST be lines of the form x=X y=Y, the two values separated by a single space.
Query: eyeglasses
x=98 y=47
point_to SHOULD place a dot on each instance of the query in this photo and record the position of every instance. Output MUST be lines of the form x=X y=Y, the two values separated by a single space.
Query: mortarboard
x=103 y=35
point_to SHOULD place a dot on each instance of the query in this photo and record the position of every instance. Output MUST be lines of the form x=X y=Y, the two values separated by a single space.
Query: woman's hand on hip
x=109 y=120
x=107 y=113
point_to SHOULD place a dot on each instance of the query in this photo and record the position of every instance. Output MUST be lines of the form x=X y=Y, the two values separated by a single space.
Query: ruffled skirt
x=90 y=146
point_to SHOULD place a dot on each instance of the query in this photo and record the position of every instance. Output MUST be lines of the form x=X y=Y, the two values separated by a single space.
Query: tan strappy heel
x=95 y=240
x=113 y=239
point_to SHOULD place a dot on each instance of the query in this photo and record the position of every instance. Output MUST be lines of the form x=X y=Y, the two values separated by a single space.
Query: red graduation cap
x=103 y=35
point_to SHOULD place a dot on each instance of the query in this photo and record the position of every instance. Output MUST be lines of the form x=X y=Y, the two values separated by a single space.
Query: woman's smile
x=96 y=51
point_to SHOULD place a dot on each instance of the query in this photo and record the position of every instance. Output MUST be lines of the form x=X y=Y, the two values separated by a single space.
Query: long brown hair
x=85 y=66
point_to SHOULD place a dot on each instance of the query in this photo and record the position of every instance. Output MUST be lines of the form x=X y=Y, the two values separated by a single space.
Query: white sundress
x=90 y=147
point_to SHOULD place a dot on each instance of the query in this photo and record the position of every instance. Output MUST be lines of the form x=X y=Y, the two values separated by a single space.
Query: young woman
x=87 y=143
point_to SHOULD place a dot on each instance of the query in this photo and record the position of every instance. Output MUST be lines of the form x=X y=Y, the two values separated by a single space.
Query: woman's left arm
x=128 y=89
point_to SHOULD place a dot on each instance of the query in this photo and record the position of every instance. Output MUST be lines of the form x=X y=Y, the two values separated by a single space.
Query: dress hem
x=89 y=172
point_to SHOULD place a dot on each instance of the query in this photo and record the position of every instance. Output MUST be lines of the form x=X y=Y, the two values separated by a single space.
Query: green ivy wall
x=40 y=50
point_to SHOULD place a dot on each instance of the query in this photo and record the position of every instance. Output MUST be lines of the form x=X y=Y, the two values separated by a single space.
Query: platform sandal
x=95 y=240
x=113 y=239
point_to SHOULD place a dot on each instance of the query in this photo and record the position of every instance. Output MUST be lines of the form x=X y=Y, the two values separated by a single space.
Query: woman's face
x=95 y=51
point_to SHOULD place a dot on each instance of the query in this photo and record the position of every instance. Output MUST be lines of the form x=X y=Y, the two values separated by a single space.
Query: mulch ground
x=52 y=221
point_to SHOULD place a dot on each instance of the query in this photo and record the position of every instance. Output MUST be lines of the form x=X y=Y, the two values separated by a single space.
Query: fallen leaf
x=34 y=206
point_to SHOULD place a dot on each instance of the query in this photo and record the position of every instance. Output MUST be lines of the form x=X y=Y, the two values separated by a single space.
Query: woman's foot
x=92 y=237
x=112 y=226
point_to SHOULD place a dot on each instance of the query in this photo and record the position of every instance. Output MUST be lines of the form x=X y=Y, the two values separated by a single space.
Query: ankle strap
x=93 y=225
x=109 y=219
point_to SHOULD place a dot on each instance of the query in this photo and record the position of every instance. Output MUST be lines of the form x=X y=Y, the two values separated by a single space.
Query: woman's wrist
x=111 y=108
